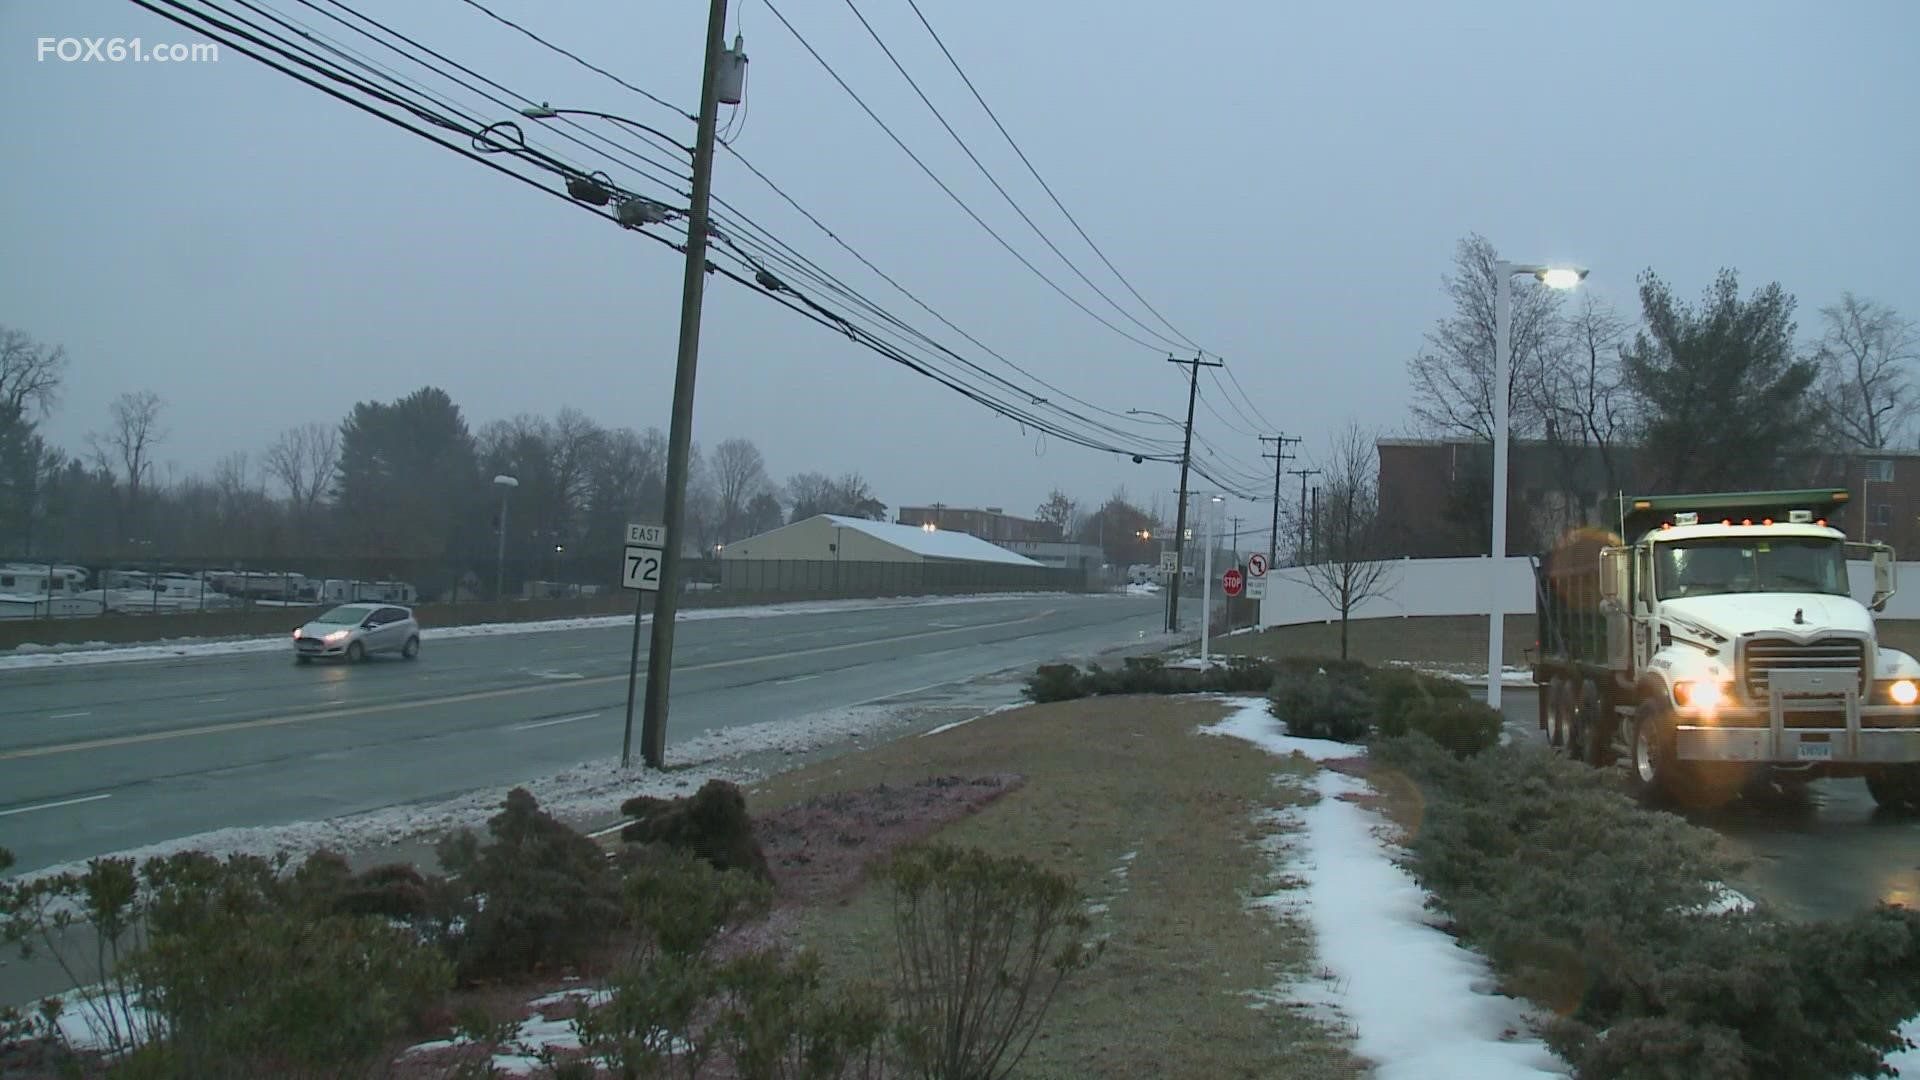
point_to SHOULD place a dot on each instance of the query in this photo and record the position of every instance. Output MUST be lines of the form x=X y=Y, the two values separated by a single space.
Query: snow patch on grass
x=1416 y=1002
x=1252 y=721
x=954 y=724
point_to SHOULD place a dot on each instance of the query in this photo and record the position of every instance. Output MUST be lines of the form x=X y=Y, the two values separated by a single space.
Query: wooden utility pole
x=1280 y=457
x=1193 y=367
x=1300 y=553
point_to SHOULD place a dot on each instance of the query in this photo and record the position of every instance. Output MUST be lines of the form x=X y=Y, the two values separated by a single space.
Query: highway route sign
x=1256 y=566
x=653 y=536
x=640 y=568
x=1232 y=582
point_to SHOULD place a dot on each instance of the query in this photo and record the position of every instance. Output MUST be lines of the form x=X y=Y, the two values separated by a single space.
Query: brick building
x=992 y=524
x=1435 y=494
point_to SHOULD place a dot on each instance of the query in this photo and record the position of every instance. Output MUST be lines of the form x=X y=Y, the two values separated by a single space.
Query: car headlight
x=337 y=635
x=1700 y=694
x=1904 y=692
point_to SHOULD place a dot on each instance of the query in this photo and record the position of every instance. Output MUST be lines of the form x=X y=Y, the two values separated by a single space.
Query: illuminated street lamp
x=1553 y=277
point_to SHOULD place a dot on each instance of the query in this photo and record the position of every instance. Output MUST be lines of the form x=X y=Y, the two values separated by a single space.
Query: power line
x=942 y=184
x=1257 y=414
x=997 y=186
x=518 y=149
x=1042 y=180
x=488 y=12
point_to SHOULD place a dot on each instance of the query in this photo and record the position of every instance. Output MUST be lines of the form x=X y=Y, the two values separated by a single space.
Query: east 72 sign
x=640 y=569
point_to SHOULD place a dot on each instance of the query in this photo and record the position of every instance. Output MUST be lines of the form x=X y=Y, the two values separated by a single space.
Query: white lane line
x=52 y=805
x=211 y=700
x=70 y=715
x=795 y=679
x=550 y=723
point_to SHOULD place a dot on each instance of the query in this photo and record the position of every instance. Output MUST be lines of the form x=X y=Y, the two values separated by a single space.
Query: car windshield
x=345 y=616
x=1745 y=565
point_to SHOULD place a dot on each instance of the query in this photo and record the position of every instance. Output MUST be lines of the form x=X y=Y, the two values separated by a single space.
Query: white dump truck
x=1715 y=641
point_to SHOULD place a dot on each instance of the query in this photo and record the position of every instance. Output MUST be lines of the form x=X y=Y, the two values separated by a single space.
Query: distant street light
x=1553 y=277
x=506 y=484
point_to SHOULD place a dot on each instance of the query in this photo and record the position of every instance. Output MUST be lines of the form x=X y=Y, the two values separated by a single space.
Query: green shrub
x=1463 y=726
x=1396 y=691
x=648 y=1025
x=1353 y=673
x=677 y=902
x=535 y=894
x=1591 y=906
x=982 y=943
x=235 y=993
x=778 y=1021
x=1054 y=682
x=1321 y=707
x=1240 y=675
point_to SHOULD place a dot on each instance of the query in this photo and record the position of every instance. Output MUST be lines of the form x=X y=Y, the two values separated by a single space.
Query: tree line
x=404 y=484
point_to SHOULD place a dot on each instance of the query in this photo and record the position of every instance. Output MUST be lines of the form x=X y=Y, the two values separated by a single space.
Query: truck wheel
x=1559 y=710
x=1648 y=757
x=1895 y=787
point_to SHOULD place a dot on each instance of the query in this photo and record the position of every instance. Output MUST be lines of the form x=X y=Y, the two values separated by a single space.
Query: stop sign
x=1232 y=582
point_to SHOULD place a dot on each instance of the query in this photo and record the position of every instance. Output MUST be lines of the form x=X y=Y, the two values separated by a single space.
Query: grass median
x=1158 y=823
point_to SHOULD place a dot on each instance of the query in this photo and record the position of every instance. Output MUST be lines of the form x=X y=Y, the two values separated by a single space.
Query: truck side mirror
x=1883 y=577
x=1613 y=578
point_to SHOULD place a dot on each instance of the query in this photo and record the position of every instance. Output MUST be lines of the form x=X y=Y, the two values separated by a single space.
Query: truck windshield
x=1749 y=564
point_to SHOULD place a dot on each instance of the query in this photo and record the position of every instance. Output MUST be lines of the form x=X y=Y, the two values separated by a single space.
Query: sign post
x=639 y=571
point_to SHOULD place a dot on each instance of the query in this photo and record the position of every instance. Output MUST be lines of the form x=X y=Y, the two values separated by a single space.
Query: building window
x=1882 y=514
x=1880 y=470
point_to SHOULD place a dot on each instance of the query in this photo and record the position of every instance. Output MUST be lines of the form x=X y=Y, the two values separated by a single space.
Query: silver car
x=357 y=631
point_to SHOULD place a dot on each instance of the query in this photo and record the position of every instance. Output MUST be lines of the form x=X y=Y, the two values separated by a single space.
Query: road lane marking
x=795 y=679
x=53 y=805
x=562 y=675
x=550 y=723
x=70 y=715
x=474 y=695
x=211 y=700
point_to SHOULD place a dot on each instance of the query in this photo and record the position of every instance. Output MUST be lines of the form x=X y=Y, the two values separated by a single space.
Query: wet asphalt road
x=1827 y=853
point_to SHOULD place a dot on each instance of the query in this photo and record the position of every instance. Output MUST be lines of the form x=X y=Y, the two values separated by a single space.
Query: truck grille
x=1763 y=655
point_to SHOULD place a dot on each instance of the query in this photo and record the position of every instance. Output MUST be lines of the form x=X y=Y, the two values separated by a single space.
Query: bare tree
x=30 y=373
x=1452 y=376
x=739 y=473
x=1585 y=409
x=1058 y=510
x=1866 y=359
x=1349 y=566
x=126 y=447
x=574 y=441
x=303 y=460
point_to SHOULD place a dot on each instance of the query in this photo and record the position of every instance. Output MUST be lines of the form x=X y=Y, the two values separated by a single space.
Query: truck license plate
x=1816 y=751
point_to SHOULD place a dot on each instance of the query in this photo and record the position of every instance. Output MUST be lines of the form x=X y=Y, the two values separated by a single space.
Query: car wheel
x=1585 y=736
x=356 y=652
x=1649 y=759
x=412 y=648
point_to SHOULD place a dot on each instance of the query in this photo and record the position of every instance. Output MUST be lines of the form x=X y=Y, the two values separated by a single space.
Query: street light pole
x=506 y=484
x=1503 y=274
x=653 y=726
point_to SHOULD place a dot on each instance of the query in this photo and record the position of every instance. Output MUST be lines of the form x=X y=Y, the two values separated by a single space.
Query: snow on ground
x=1509 y=676
x=519 y=1055
x=99 y=652
x=956 y=723
x=1142 y=589
x=1414 y=998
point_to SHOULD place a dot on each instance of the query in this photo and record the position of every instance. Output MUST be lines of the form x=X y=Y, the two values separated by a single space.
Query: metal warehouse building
x=846 y=555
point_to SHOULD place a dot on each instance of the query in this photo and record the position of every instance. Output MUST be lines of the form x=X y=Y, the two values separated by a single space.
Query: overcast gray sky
x=1285 y=183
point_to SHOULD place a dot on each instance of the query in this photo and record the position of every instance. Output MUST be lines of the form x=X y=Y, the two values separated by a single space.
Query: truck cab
x=1733 y=650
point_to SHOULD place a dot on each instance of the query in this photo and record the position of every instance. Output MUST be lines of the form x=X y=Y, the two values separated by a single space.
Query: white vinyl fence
x=1462 y=586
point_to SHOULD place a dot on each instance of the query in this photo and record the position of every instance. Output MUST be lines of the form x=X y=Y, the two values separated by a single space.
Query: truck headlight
x=1904 y=692
x=1699 y=694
